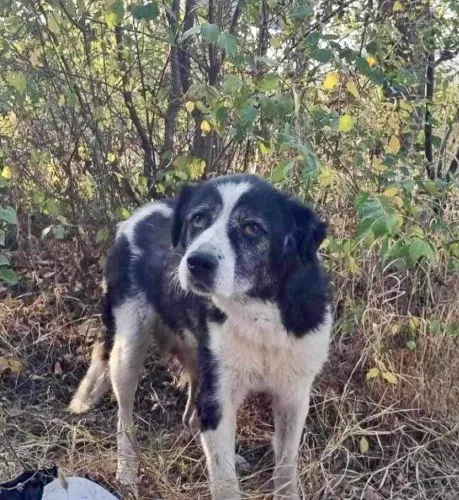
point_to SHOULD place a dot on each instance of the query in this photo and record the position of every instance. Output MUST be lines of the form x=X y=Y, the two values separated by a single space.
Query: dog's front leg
x=218 y=440
x=290 y=412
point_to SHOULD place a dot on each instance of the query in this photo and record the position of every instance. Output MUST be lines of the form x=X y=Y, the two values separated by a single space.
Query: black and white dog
x=227 y=278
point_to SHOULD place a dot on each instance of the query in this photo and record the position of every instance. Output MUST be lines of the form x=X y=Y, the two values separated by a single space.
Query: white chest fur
x=258 y=354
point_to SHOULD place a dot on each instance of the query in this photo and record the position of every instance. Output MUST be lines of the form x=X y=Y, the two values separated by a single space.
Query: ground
x=364 y=439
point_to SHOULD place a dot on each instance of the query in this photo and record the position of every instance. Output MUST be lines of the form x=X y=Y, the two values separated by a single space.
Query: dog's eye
x=198 y=220
x=252 y=229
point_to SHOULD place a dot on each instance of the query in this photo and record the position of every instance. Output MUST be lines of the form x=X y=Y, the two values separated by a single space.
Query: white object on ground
x=77 y=488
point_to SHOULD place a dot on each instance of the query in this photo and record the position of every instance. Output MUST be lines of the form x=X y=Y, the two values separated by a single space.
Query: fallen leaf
x=364 y=445
x=331 y=80
x=372 y=61
x=390 y=377
x=205 y=127
x=346 y=122
x=372 y=373
x=10 y=365
x=351 y=87
x=393 y=146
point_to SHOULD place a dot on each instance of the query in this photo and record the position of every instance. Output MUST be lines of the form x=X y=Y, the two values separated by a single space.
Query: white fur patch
x=253 y=347
x=215 y=240
x=127 y=227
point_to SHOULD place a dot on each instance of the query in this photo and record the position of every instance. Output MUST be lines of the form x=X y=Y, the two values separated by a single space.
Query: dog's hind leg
x=133 y=319
x=95 y=383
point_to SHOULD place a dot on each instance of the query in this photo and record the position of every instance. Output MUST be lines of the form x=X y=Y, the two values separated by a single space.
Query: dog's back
x=140 y=282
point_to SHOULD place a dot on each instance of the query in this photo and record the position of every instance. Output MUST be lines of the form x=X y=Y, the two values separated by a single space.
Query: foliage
x=108 y=103
x=8 y=218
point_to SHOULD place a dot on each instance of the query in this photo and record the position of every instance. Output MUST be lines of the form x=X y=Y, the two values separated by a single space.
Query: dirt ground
x=362 y=439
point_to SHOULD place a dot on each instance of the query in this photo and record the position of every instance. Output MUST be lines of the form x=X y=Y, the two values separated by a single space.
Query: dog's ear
x=307 y=234
x=180 y=210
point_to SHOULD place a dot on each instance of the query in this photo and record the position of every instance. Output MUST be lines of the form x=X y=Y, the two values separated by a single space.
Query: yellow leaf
x=394 y=145
x=390 y=377
x=34 y=58
x=196 y=169
x=346 y=122
x=6 y=172
x=52 y=25
x=353 y=266
x=397 y=201
x=398 y=7
x=364 y=445
x=331 y=80
x=372 y=61
x=378 y=164
x=414 y=323
x=395 y=329
x=11 y=365
x=61 y=100
x=406 y=105
x=393 y=122
x=8 y=124
x=390 y=192
x=189 y=106
x=351 y=87
x=111 y=157
x=372 y=373
x=276 y=42
x=326 y=177
x=417 y=231
x=205 y=127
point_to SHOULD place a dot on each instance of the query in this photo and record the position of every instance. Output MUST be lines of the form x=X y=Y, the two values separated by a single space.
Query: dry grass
x=364 y=439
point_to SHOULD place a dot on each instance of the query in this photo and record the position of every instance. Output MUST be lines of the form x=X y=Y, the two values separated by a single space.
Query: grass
x=384 y=438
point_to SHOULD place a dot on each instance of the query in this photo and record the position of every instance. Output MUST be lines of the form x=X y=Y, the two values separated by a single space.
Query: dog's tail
x=96 y=382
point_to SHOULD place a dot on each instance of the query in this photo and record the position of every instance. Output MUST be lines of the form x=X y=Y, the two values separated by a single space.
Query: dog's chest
x=254 y=347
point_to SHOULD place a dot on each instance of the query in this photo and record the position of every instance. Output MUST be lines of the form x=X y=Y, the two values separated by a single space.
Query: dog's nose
x=202 y=263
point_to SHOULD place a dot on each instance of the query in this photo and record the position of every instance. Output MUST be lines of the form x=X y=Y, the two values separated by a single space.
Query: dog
x=228 y=279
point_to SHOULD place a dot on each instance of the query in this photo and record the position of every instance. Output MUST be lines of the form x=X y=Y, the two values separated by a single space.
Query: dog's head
x=241 y=237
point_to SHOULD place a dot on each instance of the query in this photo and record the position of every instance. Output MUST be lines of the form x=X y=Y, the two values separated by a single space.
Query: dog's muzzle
x=202 y=268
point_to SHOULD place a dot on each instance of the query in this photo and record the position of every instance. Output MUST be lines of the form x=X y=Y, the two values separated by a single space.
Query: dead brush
x=392 y=436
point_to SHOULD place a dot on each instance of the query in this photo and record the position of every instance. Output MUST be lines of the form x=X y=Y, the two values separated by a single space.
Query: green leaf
x=101 y=235
x=279 y=173
x=392 y=224
x=420 y=248
x=232 y=84
x=248 y=114
x=2 y=237
x=395 y=251
x=376 y=76
x=269 y=83
x=362 y=65
x=210 y=32
x=8 y=276
x=302 y=11
x=322 y=55
x=18 y=81
x=118 y=9
x=228 y=43
x=147 y=12
x=195 y=30
x=379 y=226
x=4 y=261
x=8 y=214
x=411 y=344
